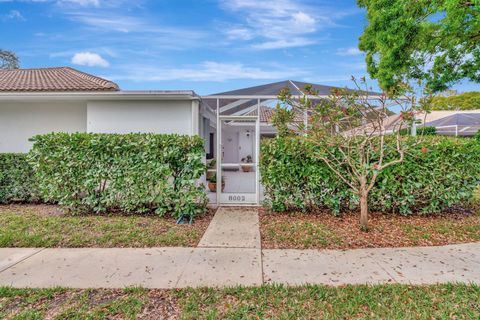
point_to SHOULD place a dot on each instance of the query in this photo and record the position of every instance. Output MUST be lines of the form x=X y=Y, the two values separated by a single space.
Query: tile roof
x=58 y=79
x=266 y=114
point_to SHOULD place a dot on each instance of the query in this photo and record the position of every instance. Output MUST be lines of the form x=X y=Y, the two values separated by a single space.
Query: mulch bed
x=324 y=231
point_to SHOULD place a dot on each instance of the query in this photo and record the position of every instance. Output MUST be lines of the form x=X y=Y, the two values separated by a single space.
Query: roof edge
x=101 y=95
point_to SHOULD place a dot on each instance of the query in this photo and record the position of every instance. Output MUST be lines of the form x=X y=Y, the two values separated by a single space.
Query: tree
x=434 y=41
x=462 y=101
x=350 y=131
x=8 y=60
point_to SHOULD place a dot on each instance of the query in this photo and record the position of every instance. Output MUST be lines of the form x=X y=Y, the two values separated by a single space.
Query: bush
x=294 y=179
x=17 y=183
x=437 y=173
x=134 y=173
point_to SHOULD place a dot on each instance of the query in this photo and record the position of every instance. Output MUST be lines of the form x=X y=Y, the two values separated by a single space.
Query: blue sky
x=205 y=45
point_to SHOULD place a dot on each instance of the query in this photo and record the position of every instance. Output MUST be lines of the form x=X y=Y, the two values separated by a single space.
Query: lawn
x=324 y=231
x=48 y=226
x=451 y=301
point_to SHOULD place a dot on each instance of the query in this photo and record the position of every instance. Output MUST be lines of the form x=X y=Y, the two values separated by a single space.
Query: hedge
x=17 y=183
x=437 y=173
x=132 y=173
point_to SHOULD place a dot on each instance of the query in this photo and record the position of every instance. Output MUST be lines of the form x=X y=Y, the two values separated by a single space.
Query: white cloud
x=13 y=15
x=276 y=23
x=352 y=51
x=83 y=3
x=239 y=33
x=283 y=43
x=206 y=71
x=304 y=22
x=89 y=59
x=108 y=23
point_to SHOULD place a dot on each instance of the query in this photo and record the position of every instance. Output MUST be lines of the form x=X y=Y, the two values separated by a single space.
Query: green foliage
x=17 y=183
x=282 y=117
x=294 y=178
x=8 y=60
x=421 y=131
x=433 y=41
x=437 y=173
x=134 y=173
x=476 y=197
x=463 y=101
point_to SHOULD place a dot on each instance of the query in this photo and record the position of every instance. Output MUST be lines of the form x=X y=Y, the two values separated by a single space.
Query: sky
x=208 y=46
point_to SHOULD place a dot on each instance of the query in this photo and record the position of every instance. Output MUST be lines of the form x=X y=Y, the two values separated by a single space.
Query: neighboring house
x=452 y=123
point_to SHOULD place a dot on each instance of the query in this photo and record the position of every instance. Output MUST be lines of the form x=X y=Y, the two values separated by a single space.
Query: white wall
x=246 y=143
x=235 y=143
x=140 y=116
x=19 y=121
x=230 y=145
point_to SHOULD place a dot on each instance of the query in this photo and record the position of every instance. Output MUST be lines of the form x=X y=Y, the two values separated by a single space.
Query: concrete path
x=118 y=268
x=233 y=228
x=183 y=267
x=418 y=265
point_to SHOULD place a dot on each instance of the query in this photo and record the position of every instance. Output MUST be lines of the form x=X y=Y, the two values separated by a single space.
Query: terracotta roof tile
x=266 y=114
x=59 y=79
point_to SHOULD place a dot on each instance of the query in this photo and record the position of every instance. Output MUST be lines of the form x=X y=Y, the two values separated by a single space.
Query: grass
x=448 y=301
x=324 y=231
x=47 y=226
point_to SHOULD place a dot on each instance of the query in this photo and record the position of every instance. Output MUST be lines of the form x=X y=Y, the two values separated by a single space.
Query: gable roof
x=457 y=119
x=296 y=88
x=58 y=79
x=247 y=97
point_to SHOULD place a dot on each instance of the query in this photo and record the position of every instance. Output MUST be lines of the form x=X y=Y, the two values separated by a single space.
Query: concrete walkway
x=230 y=254
x=233 y=228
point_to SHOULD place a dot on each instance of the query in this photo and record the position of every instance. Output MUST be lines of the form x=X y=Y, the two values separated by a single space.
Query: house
x=36 y=101
x=62 y=99
x=453 y=123
x=465 y=123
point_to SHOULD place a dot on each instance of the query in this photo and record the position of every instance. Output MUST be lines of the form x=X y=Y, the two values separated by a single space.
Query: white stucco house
x=36 y=101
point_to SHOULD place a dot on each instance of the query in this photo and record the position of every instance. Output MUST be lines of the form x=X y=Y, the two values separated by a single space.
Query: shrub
x=476 y=198
x=17 y=183
x=294 y=179
x=437 y=173
x=134 y=173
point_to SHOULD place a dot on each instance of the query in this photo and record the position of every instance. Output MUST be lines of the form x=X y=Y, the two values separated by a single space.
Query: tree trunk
x=364 y=211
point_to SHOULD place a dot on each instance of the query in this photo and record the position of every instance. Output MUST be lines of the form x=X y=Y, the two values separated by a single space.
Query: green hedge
x=132 y=173
x=17 y=183
x=438 y=173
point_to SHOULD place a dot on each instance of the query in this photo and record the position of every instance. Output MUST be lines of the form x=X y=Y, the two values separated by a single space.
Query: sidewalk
x=229 y=255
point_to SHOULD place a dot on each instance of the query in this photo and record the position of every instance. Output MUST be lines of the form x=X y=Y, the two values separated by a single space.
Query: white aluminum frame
x=249 y=198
